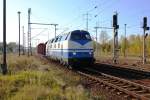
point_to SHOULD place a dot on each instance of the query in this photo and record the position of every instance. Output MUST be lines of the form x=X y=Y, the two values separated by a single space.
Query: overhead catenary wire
x=39 y=33
x=107 y=6
x=78 y=17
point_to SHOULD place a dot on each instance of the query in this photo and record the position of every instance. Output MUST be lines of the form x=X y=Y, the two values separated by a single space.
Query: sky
x=71 y=15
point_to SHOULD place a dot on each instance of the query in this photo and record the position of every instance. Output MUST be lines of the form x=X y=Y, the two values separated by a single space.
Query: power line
x=87 y=17
x=38 y=34
x=108 y=6
x=95 y=7
x=75 y=19
x=55 y=25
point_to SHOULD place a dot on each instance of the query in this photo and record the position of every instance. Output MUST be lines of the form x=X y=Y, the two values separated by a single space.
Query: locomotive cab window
x=86 y=36
x=80 y=35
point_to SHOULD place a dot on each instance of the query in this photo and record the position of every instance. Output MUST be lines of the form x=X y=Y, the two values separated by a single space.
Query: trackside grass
x=27 y=80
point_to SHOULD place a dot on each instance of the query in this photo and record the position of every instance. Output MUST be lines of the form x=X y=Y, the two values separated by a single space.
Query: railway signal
x=145 y=28
x=115 y=43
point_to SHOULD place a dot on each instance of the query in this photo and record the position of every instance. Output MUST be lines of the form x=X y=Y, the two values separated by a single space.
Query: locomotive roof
x=64 y=34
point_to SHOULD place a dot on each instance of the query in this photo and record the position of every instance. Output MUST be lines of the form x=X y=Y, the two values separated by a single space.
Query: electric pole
x=96 y=29
x=29 y=33
x=23 y=40
x=96 y=40
x=125 y=44
x=115 y=43
x=87 y=17
x=145 y=28
x=4 y=65
x=87 y=20
x=55 y=25
x=19 y=30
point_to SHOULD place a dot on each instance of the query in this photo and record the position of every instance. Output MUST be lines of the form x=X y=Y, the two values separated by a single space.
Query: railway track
x=122 y=87
x=128 y=89
x=121 y=72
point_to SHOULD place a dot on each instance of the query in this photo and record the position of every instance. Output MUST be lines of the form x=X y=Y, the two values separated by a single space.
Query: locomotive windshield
x=80 y=35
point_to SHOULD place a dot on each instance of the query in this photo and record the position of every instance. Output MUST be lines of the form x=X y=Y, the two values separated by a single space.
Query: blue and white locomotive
x=74 y=48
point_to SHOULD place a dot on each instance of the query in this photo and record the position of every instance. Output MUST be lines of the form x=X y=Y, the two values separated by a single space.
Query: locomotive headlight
x=90 y=53
x=74 y=53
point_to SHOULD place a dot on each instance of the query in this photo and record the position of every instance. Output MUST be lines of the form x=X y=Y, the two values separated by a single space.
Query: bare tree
x=104 y=37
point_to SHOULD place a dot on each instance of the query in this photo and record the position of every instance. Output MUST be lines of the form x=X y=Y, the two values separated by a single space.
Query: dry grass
x=26 y=81
x=31 y=85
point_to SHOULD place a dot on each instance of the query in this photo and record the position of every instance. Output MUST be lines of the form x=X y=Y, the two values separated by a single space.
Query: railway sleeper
x=120 y=84
x=146 y=95
x=142 y=92
x=133 y=89
x=113 y=80
x=114 y=90
x=109 y=79
x=126 y=86
x=131 y=93
x=105 y=79
x=117 y=82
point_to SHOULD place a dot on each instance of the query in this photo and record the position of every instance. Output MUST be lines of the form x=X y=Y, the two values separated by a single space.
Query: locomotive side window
x=67 y=36
x=60 y=38
x=64 y=37
x=52 y=40
x=56 y=39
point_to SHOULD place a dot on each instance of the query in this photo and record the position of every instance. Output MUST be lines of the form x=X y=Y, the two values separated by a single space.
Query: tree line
x=129 y=46
x=12 y=47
